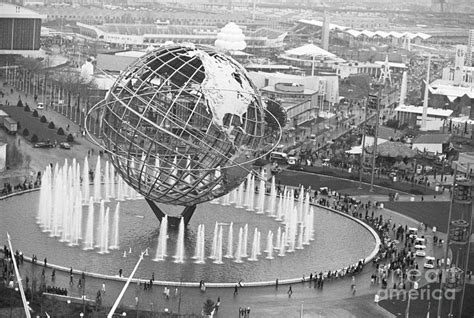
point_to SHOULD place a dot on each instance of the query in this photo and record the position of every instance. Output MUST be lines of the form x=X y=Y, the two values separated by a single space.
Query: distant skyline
x=464 y=6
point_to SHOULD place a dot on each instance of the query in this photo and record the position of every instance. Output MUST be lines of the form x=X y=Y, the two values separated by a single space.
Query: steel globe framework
x=182 y=124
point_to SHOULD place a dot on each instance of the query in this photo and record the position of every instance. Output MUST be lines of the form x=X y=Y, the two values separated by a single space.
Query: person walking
x=103 y=287
x=236 y=290
x=290 y=291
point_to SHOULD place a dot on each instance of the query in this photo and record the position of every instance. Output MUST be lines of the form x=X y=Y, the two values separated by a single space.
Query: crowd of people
x=56 y=290
x=27 y=184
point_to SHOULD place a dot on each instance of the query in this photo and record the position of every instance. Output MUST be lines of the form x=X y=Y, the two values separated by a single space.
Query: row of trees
x=66 y=89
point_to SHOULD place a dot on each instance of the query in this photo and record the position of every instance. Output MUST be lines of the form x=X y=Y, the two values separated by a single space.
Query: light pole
x=362 y=154
x=377 y=119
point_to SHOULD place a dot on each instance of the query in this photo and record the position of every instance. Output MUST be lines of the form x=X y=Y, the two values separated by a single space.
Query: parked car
x=44 y=145
x=40 y=106
x=277 y=156
x=430 y=262
x=292 y=160
x=65 y=145
x=420 y=250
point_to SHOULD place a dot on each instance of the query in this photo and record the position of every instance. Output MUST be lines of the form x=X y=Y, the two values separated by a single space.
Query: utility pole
x=362 y=154
x=376 y=133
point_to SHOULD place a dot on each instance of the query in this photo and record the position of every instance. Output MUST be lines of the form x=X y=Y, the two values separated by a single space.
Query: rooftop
x=448 y=89
x=386 y=133
x=271 y=89
x=419 y=110
x=432 y=139
x=8 y=10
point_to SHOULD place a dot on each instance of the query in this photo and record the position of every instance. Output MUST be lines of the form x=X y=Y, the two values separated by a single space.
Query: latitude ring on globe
x=182 y=125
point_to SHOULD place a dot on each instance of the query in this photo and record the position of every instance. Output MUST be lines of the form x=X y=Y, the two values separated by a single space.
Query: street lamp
x=376 y=133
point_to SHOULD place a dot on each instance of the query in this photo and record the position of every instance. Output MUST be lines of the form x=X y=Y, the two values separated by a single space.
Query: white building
x=432 y=143
x=3 y=156
x=411 y=115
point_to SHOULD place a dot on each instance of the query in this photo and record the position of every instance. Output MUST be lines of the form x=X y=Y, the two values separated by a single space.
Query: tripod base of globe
x=173 y=221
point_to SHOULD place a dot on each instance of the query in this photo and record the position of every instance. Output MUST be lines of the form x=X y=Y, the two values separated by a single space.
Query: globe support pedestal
x=173 y=221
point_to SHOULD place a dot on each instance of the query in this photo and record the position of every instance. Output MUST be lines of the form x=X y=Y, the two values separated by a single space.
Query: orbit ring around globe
x=96 y=140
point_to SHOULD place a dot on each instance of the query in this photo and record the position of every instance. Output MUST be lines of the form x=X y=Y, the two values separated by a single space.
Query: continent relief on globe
x=225 y=91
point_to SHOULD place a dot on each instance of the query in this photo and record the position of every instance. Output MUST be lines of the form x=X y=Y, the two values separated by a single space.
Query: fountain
x=240 y=201
x=199 y=251
x=115 y=233
x=269 y=249
x=97 y=183
x=162 y=239
x=251 y=190
x=179 y=257
x=106 y=197
x=214 y=242
x=89 y=241
x=244 y=241
x=238 y=252
x=86 y=181
x=60 y=212
x=230 y=241
x=112 y=181
x=104 y=234
x=271 y=210
x=253 y=255
x=282 y=244
x=261 y=196
x=218 y=256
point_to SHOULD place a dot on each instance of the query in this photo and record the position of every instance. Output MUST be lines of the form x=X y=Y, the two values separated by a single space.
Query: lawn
x=432 y=213
x=325 y=177
x=383 y=182
x=33 y=124
x=318 y=181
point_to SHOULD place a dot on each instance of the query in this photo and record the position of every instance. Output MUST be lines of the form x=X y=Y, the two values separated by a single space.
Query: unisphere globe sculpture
x=182 y=124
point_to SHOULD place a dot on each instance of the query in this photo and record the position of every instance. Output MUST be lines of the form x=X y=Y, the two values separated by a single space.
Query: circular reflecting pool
x=339 y=242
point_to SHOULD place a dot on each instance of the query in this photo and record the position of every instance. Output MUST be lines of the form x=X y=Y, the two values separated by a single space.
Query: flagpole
x=119 y=298
x=407 y=311
x=18 y=278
